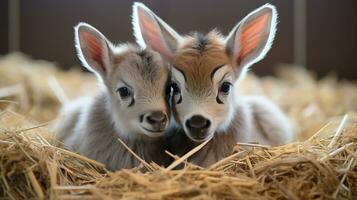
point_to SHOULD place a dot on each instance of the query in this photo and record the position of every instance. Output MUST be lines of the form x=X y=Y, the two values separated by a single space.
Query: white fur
x=270 y=125
x=233 y=103
x=136 y=26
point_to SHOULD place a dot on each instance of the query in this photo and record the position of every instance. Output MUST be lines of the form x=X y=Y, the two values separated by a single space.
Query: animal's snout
x=198 y=124
x=157 y=120
x=156 y=117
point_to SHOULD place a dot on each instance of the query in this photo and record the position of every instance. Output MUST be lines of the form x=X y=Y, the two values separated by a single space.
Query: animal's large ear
x=93 y=49
x=251 y=38
x=152 y=31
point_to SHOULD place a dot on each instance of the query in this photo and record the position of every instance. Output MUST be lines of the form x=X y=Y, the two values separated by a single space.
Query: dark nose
x=198 y=122
x=157 y=120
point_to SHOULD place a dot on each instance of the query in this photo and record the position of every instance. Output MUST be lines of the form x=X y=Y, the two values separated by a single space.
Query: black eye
x=175 y=88
x=176 y=93
x=225 y=88
x=124 y=92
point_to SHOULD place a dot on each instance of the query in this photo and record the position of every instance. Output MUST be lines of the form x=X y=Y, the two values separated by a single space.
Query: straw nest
x=320 y=165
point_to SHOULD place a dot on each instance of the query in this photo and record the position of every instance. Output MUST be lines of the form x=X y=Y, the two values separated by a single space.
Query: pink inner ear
x=252 y=36
x=152 y=33
x=95 y=48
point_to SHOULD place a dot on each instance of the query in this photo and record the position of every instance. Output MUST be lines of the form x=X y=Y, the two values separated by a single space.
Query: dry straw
x=322 y=164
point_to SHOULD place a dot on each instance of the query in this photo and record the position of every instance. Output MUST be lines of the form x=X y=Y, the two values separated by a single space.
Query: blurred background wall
x=318 y=34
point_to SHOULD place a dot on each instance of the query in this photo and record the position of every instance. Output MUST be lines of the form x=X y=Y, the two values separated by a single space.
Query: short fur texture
x=255 y=119
x=200 y=65
x=92 y=126
x=87 y=127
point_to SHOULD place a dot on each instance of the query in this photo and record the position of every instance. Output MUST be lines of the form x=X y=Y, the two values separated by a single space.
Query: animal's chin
x=152 y=133
x=200 y=138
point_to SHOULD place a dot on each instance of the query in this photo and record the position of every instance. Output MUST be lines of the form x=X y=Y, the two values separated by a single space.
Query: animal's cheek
x=218 y=108
x=220 y=112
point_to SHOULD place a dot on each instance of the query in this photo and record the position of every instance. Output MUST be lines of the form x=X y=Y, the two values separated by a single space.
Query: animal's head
x=134 y=79
x=205 y=67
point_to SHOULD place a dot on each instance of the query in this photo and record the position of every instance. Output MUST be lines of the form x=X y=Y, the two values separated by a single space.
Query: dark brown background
x=3 y=26
x=46 y=28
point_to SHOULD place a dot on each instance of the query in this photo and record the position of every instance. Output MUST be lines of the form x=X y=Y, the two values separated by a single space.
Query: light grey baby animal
x=131 y=104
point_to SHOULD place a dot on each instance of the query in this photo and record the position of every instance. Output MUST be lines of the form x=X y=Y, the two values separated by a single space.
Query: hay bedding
x=323 y=165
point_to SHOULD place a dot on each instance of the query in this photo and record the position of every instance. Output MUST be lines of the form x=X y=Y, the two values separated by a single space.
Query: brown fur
x=255 y=119
x=205 y=104
x=194 y=62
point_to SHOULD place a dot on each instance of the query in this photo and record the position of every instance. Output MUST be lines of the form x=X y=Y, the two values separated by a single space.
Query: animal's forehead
x=144 y=67
x=198 y=57
x=201 y=51
x=144 y=70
